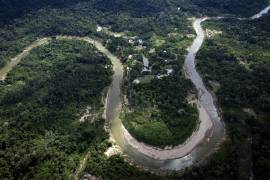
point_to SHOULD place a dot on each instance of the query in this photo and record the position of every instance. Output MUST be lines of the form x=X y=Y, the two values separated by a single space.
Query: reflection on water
x=113 y=103
x=260 y=14
x=206 y=100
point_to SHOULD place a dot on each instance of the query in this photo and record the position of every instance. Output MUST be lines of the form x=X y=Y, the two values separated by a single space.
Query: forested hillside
x=10 y=9
x=244 y=8
x=41 y=102
x=44 y=96
x=236 y=66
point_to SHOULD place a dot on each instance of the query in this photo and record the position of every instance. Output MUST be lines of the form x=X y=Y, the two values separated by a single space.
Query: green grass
x=157 y=41
x=146 y=79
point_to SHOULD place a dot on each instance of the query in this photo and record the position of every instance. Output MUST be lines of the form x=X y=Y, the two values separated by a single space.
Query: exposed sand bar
x=178 y=151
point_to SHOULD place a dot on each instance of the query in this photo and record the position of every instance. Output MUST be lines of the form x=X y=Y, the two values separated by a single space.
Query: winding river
x=204 y=141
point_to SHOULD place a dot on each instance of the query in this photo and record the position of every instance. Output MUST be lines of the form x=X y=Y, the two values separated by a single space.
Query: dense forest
x=23 y=21
x=238 y=61
x=160 y=114
x=43 y=97
x=40 y=106
x=244 y=8
x=10 y=9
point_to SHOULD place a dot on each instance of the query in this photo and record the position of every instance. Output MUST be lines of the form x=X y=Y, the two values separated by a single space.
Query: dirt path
x=81 y=166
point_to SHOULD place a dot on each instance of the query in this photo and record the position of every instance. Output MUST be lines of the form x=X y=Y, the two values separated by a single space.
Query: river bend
x=203 y=141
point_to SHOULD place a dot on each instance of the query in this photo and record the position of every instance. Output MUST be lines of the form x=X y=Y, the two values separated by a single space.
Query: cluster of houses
x=139 y=45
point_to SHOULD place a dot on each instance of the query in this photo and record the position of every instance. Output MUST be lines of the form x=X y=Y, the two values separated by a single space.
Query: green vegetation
x=245 y=61
x=16 y=36
x=157 y=41
x=81 y=20
x=244 y=8
x=162 y=88
x=40 y=105
x=40 y=102
x=114 y=167
x=153 y=127
x=238 y=59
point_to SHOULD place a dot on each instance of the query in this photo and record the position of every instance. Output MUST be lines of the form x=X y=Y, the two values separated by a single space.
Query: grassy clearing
x=154 y=128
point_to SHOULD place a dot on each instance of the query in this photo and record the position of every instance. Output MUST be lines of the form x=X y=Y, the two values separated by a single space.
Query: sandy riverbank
x=179 y=151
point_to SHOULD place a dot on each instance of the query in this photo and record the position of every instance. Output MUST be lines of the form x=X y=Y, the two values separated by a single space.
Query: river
x=184 y=155
x=201 y=144
x=204 y=141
